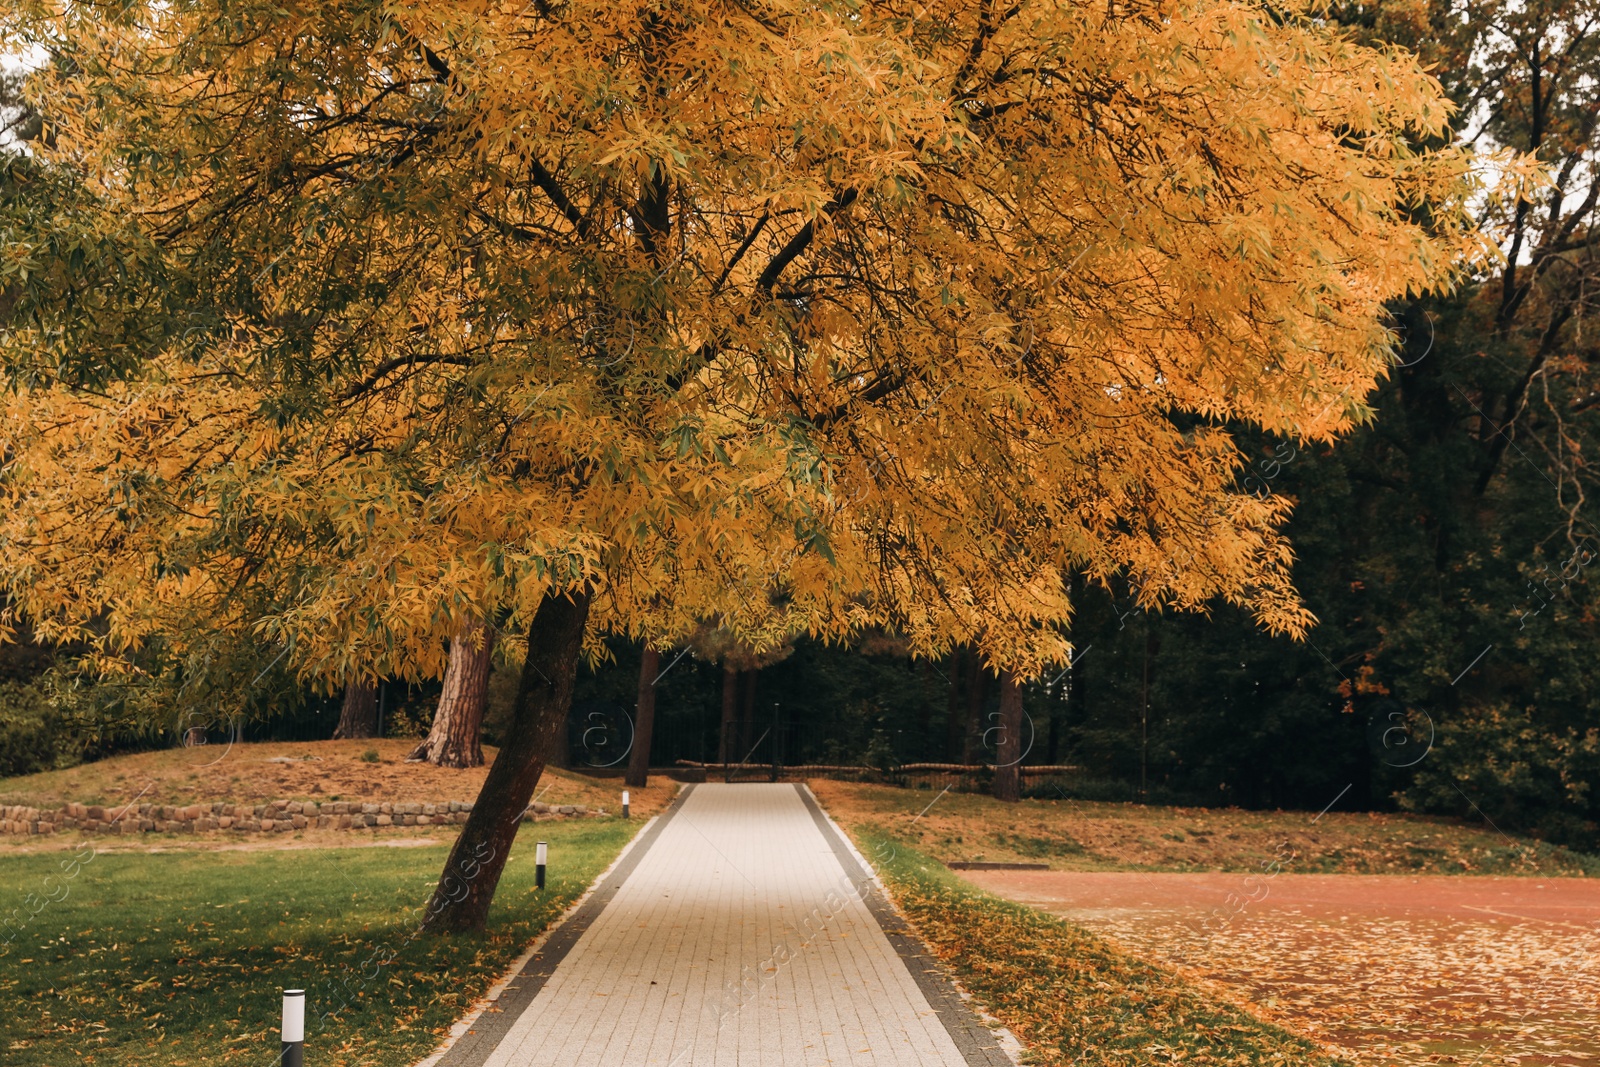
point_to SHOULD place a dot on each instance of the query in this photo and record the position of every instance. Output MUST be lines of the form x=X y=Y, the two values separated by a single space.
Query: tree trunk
x=978 y=676
x=1077 y=700
x=1058 y=712
x=955 y=749
x=1151 y=645
x=1008 y=757
x=538 y=718
x=359 y=716
x=925 y=710
x=453 y=739
x=644 y=712
x=1067 y=703
x=560 y=754
x=730 y=711
x=752 y=736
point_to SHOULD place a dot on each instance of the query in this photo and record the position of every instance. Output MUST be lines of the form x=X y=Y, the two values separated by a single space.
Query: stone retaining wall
x=277 y=816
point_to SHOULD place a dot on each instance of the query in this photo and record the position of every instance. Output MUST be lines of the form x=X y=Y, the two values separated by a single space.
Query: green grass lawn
x=1072 y=998
x=178 y=958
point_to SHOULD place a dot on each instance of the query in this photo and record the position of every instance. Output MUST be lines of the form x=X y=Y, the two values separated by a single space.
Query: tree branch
x=764 y=286
x=551 y=188
x=988 y=26
x=389 y=366
x=800 y=242
x=750 y=239
x=1513 y=401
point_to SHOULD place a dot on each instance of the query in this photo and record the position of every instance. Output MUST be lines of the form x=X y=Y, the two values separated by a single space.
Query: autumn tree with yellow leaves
x=345 y=325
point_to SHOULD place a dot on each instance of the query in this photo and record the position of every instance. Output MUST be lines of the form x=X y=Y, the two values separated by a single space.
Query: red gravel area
x=1387 y=969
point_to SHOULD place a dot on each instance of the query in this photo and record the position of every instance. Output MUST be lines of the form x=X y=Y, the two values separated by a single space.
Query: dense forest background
x=1447 y=549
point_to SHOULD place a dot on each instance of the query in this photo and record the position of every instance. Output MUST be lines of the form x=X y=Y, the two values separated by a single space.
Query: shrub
x=1499 y=763
x=31 y=730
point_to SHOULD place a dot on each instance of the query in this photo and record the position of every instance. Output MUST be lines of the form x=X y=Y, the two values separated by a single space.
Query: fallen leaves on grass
x=1410 y=991
x=257 y=771
x=1083 y=835
x=1071 y=997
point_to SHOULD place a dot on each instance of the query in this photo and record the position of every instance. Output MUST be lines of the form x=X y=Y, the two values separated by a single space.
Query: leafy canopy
x=339 y=323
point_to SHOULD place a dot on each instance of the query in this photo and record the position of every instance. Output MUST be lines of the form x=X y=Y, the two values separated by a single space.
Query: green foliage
x=407 y=719
x=46 y=723
x=1501 y=759
x=57 y=251
x=31 y=734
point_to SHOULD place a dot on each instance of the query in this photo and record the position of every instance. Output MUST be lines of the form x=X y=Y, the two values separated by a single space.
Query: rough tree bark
x=359 y=715
x=644 y=719
x=453 y=739
x=1008 y=755
x=538 y=717
x=560 y=754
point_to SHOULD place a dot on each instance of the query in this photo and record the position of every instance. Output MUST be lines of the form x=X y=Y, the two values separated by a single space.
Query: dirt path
x=1388 y=969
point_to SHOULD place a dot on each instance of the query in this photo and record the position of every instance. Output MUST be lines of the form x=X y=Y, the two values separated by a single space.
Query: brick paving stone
x=737 y=939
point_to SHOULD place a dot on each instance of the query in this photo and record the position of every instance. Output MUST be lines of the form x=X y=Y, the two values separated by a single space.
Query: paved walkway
x=739 y=931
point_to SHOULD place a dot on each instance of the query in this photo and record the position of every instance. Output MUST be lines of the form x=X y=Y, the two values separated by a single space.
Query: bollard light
x=624 y=803
x=294 y=1028
x=541 y=852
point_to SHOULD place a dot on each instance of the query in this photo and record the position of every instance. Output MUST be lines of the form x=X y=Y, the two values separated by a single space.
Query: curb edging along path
x=973 y=1041
x=484 y=1036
